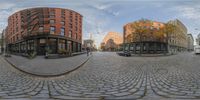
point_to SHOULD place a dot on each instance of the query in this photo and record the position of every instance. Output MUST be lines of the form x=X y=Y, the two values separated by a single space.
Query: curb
x=146 y=55
x=151 y=55
x=64 y=73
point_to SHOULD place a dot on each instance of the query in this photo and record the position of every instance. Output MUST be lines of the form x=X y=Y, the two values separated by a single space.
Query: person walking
x=88 y=51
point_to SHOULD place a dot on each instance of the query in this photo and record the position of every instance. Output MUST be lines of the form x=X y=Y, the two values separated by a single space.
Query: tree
x=159 y=34
x=140 y=29
x=169 y=30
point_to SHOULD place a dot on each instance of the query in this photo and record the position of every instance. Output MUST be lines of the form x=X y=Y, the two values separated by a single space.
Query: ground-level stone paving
x=109 y=76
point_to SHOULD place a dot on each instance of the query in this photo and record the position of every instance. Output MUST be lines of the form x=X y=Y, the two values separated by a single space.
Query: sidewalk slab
x=47 y=67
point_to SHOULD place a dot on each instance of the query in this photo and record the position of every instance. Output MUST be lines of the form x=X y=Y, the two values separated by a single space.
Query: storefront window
x=42 y=41
x=53 y=45
x=137 y=47
x=61 y=44
x=69 y=45
x=144 y=47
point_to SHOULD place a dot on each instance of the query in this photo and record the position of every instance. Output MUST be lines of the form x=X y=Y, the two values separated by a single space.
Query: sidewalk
x=47 y=67
x=144 y=55
x=151 y=55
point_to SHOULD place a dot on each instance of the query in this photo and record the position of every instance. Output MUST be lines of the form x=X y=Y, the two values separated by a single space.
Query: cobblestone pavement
x=109 y=76
x=47 y=67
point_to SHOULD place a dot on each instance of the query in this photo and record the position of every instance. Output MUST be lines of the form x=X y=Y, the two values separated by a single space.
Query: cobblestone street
x=109 y=76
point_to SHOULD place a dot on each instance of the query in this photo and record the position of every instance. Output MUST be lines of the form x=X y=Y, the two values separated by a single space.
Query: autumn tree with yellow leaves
x=140 y=29
x=143 y=30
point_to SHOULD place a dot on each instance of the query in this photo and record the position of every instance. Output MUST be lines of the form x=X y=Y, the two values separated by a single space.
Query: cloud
x=106 y=8
x=190 y=12
x=6 y=5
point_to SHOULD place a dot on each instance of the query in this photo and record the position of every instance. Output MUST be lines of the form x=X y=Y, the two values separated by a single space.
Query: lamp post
x=166 y=40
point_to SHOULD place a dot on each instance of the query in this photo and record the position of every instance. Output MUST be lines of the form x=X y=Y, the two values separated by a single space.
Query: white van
x=197 y=49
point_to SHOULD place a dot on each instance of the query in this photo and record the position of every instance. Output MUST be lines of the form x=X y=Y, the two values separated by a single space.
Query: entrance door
x=53 y=45
x=69 y=46
x=41 y=49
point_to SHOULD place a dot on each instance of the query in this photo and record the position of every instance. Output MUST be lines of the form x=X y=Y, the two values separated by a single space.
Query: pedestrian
x=90 y=51
x=87 y=50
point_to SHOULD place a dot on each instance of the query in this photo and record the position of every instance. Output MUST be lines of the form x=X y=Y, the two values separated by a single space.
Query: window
x=63 y=12
x=52 y=16
x=16 y=29
x=52 y=30
x=71 y=20
x=52 y=21
x=61 y=44
x=70 y=14
x=70 y=26
x=62 y=23
x=28 y=14
x=70 y=33
x=41 y=28
x=42 y=41
x=62 y=31
x=75 y=36
x=76 y=18
x=29 y=29
x=17 y=37
x=52 y=13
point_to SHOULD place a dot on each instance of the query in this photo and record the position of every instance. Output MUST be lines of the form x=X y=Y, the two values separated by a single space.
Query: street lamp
x=166 y=40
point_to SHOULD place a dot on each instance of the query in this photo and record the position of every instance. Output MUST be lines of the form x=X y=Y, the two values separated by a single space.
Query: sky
x=103 y=16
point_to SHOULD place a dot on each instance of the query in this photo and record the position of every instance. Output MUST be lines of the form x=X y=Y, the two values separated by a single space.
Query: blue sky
x=102 y=16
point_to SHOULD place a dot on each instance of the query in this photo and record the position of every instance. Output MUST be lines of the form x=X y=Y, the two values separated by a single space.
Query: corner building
x=42 y=29
x=154 y=43
x=149 y=43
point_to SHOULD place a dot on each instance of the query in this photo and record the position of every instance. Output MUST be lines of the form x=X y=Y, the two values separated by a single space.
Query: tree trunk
x=140 y=45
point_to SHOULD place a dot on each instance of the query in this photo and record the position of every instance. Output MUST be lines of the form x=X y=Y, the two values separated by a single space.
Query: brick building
x=190 y=42
x=147 y=42
x=154 y=41
x=42 y=29
x=112 y=42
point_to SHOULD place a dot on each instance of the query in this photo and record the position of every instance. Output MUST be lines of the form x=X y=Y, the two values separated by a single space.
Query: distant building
x=112 y=41
x=190 y=42
x=198 y=40
x=178 y=40
x=89 y=43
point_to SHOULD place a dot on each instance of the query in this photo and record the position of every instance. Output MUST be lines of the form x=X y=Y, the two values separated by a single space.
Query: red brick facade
x=38 y=28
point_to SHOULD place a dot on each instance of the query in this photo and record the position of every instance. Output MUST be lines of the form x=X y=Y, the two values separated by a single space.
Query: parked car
x=197 y=49
x=126 y=54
